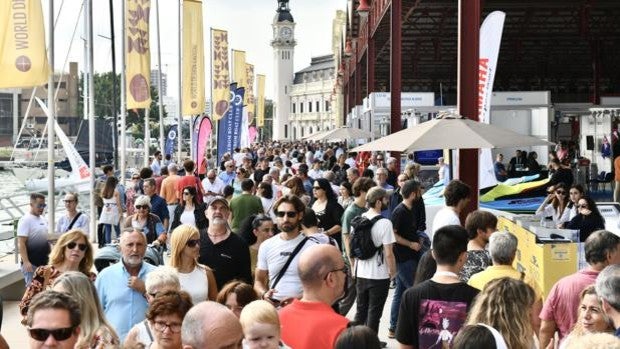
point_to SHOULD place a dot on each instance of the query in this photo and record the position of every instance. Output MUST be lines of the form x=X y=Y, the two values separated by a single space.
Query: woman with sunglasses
x=327 y=209
x=72 y=252
x=165 y=315
x=145 y=221
x=196 y=279
x=190 y=211
x=588 y=220
x=95 y=331
x=241 y=174
x=575 y=193
x=554 y=205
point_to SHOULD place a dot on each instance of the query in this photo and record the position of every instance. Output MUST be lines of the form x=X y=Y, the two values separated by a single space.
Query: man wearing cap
x=316 y=172
x=212 y=185
x=169 y=188
x=373 y=274
x=224 y=252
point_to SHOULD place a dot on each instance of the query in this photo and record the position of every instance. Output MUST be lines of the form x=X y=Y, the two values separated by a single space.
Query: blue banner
x=224 y=132
x=237 y=117
x=172 y=136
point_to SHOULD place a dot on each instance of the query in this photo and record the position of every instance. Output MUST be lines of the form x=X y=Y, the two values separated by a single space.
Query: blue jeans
x=28 y=275
x=404 y=280
x=107 y=231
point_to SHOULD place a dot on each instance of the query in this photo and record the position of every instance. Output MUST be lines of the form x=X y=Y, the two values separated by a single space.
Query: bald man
x=210 y=325
x=323 y=275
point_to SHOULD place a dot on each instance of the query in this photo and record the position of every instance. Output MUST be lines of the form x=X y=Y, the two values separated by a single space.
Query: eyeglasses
x=193 y=243
x=581 y=206
x=561 y=192
x=72 y=245
x=41 y=206
x=161 y=327
x=289 y=214
x=146 y=207
x=59 y=334
x=68 y=201
x=344 y=269
x=317 y=188
x=186 y=193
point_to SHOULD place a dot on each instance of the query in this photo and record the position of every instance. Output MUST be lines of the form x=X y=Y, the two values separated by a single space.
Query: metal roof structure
x=569 y=47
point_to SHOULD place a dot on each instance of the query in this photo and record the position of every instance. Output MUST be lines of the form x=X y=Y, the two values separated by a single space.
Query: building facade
x=311 y=108
x=283 y=44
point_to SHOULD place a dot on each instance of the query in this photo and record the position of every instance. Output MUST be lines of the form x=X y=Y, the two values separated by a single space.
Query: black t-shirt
x=229 y=259
x=432 y=313
x=332 y=215
x=392 y=178
x=406 y=223
x=562 y=175
x=259 y=174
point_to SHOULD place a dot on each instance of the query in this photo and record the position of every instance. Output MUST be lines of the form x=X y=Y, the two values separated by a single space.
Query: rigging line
x=59 y=11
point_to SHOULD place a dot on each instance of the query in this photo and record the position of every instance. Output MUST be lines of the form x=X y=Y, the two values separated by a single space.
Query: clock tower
x=283 y=44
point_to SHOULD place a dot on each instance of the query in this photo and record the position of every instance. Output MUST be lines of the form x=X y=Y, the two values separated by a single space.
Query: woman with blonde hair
x=95 y=331
x=505 y=304
x=196 y=279
x=261 y=326
x=72 y=252
x=591 y=317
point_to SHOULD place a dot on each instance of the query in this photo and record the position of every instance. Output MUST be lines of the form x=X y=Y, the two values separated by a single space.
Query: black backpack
x=361 y=244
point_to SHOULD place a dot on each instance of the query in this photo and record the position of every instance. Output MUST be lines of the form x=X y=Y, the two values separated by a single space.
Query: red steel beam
x=370 y=65
x=467 y=93
x=396 y=70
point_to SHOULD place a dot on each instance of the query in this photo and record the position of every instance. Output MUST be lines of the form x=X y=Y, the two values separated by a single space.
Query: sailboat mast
x=123 y=143
x=91 y=120
x=159 y=84
x=114 y=113
x=180 y=116
x=51 y=202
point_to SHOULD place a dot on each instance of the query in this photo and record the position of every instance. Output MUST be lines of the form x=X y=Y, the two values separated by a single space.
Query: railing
x=15 y=206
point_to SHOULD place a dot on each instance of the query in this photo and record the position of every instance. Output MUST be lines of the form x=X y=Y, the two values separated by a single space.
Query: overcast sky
x=248 y=23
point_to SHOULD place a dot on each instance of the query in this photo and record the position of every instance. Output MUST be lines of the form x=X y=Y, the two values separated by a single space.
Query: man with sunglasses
x=32 y=237
x=274 y=280
x=323 y=276
x=53 y=321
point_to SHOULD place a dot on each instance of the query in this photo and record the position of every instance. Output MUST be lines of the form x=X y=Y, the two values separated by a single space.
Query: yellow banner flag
x=193 y=82
x=220 y=86
x=23 y=62
x=239 y=74
x=249 y=92
x=260 y=100
x=138 y=54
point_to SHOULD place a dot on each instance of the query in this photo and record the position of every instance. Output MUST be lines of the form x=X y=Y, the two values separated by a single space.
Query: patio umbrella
x=451 y=132
x=342 y=133
x=311 y=136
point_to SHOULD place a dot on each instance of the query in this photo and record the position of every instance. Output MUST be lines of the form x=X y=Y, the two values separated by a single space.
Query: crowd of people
x=274 y=245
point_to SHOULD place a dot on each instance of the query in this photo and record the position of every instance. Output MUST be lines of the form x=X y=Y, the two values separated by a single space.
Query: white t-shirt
x=273 y=254
x=35 y=229
x=445 y=216
x=188 y=217
x=216 y=187
x=382 y=233
x=196 y=284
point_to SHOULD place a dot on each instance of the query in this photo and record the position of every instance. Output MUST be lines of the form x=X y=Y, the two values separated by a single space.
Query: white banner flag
x=490 y=40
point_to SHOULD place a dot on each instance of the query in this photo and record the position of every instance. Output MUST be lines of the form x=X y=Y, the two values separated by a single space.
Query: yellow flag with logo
x=138 y=54
x=23 y=62
x=220 y=85
x=239 y=74
x=249 y=92
x=193 y=83
x=260 y=100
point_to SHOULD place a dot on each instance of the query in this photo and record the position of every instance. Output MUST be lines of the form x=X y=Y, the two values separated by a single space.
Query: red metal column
x=345 y=100
x=467 y=97
x=370 y=65
x=395 y=70
x=358 y=84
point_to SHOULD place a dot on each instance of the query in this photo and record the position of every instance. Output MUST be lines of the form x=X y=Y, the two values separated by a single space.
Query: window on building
x=293 y=108
x=285 y=131
x=317 y=106
x=327 y=106
x=301 y=107
x=302 y=131
x=309 y=107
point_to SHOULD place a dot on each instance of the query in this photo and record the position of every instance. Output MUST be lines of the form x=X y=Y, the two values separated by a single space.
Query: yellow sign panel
x=138 y=54
x=220 y=85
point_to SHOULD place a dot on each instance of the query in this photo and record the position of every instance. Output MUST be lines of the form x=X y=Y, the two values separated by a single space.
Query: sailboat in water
x=79 y=177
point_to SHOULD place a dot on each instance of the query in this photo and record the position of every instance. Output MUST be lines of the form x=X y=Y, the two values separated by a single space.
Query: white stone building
x=311 y=108
x=283 y=44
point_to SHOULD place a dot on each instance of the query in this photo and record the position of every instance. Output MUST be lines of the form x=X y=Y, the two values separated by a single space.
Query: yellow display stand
x=546 y=263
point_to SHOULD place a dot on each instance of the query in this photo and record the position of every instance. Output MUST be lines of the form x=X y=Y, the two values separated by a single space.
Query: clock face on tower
x=286 y=33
